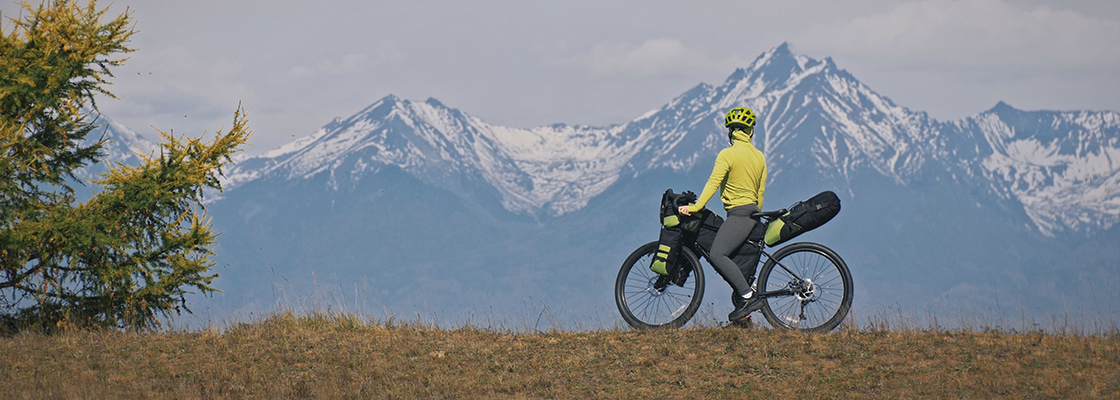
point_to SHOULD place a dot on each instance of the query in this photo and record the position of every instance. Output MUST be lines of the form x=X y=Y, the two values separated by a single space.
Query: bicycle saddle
x=769 y=214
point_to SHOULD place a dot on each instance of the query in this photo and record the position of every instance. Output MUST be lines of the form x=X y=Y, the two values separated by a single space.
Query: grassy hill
x=326 y=356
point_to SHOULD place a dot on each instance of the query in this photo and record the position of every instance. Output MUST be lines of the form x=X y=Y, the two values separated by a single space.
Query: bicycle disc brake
x=805 y=291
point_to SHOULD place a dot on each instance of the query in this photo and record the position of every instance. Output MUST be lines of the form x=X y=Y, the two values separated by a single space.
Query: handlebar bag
x=802 y=217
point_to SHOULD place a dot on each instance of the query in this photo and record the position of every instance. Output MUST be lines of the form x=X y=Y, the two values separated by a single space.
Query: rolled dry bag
x=803 y=217
x=674 y=233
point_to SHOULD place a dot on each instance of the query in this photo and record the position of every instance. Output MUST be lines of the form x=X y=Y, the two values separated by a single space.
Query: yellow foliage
x=126 y=256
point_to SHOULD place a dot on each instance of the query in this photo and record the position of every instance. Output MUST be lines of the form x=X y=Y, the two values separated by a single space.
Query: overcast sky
x=298 y=64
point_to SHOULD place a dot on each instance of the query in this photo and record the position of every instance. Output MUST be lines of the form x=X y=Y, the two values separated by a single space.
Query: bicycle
x=806 y=286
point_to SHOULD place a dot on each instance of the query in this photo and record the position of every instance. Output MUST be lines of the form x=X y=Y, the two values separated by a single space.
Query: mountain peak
x=778 y=59
x=830 y=64
x=1002 y=106
x=779 y=66
x=389 y=98
x=782 y=48
x=432 y=101
x=1002 y=110
x=389 y=101
x=776 y=70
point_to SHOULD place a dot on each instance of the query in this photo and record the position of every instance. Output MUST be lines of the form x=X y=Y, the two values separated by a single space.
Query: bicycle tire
x=644 y=307
x=816 y=308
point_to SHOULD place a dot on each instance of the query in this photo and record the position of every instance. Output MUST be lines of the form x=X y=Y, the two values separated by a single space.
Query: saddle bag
x=802 y=217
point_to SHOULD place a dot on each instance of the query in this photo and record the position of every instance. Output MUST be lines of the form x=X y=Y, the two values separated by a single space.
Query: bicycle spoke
x=819 y=316
x=818 y=285
x=681 y=305
x=646 y=300
x=831 y=304
x=642 y=306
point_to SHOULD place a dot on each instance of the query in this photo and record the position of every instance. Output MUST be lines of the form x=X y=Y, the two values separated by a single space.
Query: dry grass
x=338 y=356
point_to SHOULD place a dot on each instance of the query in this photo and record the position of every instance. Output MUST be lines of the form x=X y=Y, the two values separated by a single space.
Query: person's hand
x=683 y=210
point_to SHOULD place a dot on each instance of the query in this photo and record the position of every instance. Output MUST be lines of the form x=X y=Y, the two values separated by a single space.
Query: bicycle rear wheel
x=647 y=300
x=817 y=284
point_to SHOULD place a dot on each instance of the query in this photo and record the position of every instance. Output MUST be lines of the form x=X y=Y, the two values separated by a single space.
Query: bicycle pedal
x=744 y=322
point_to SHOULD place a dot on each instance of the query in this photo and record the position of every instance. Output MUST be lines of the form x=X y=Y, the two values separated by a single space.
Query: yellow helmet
x=739 y=116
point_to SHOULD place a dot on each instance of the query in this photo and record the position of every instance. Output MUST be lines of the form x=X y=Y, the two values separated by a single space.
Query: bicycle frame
x=780 y=292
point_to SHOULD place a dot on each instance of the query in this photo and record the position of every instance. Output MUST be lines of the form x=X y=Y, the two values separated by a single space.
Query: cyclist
x=740 y=176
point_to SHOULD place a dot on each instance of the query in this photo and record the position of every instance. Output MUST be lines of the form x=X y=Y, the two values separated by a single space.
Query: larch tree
x=126 y=257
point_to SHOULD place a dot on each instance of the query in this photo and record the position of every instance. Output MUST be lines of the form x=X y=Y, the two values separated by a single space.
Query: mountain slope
x=547 y=170
x=1063 y=167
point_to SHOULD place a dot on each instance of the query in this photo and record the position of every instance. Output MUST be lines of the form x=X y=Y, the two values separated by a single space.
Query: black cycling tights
x=731 y=235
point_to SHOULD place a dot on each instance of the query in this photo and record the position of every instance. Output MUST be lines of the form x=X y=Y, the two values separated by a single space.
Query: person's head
x=739 y=119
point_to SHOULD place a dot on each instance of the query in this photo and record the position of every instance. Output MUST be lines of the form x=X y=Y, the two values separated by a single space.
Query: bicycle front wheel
x=815 y=288
x=647 y=300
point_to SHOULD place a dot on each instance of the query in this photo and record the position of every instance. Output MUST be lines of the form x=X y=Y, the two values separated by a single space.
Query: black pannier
x=676 y=231
x=803 y=217
x=668 y=251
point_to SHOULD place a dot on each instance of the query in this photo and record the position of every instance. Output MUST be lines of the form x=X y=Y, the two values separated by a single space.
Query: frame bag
x=803 y=217
x=746 y=257
x=709 y=225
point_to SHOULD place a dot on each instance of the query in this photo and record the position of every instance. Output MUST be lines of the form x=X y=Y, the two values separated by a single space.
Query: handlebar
x=686 y=197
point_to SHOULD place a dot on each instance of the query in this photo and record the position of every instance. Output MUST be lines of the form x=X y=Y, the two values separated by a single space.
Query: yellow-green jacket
x=739 y=174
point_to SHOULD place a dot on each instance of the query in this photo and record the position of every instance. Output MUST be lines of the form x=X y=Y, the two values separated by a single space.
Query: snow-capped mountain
x=803 y=103
x=1063 y=167
x=550 y=170
x=1058 y=166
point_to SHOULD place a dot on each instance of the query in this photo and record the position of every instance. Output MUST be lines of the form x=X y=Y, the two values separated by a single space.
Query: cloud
x=973 y=32
x=353 y=63
x=654 y=57
x=350 y=63
x=173 y=87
